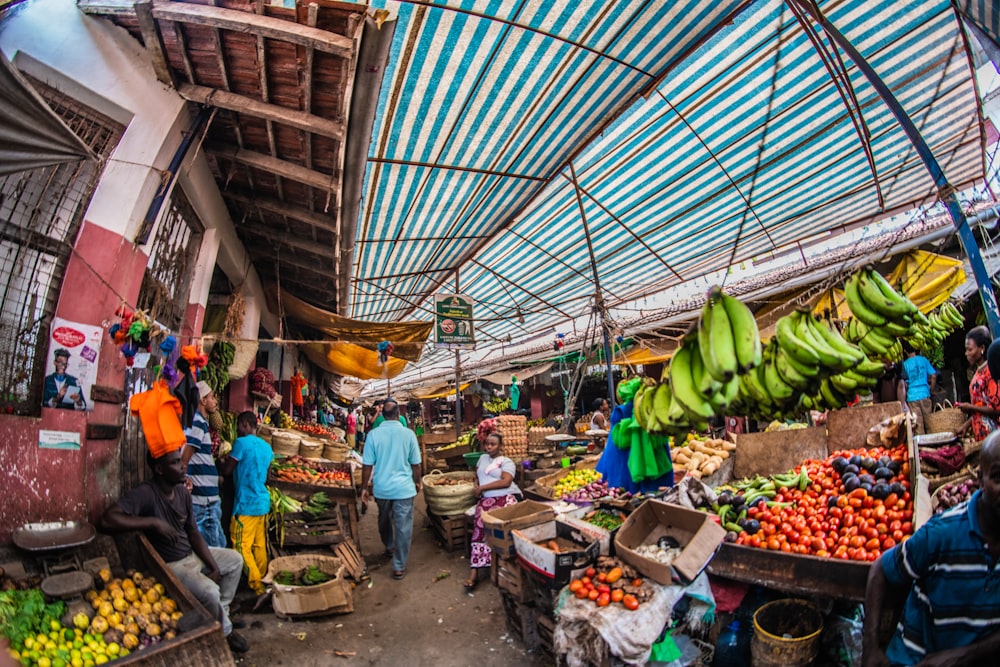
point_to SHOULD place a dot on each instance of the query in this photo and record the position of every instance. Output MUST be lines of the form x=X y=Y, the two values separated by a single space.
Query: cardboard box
x=699 y=536
x=577 y=551
x=544 y=485
x=499 y=523
x=333 y=596
x=605 y=537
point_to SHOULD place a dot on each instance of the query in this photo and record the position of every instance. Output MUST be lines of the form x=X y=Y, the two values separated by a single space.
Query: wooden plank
x=848 y=428
x=252 y=107
x=310 y=177
x=102 y=393
x=279 y=207
x=154 y=42
x=792 y=573
x=255 y=24
x=107 y=7
x=351 y=557
x=778 y=451
x=103 y=431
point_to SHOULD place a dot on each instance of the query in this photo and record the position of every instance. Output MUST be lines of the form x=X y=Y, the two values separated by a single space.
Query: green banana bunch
x=927 y=338
x=728 y=337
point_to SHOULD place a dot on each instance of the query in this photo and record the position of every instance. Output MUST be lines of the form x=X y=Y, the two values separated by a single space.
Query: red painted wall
x=50 y=484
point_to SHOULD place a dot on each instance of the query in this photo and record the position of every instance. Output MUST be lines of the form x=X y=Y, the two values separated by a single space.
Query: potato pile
x=701 y=458
x=514 y=429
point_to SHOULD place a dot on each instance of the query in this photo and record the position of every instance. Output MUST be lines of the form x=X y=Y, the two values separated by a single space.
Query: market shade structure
x=699 y=134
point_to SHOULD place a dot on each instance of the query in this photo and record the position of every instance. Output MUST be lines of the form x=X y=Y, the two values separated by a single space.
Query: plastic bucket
x=472 y=459
x=786 y=634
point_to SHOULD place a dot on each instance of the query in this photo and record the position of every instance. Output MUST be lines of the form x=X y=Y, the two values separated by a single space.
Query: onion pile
x=955 y=493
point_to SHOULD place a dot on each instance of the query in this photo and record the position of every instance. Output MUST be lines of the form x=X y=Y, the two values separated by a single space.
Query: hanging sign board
x=453 y=322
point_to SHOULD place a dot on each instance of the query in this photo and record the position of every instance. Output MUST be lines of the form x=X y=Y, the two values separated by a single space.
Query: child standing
x=248 y=462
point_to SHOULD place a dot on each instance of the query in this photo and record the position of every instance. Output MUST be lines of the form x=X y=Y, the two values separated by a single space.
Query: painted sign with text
x=453 y=327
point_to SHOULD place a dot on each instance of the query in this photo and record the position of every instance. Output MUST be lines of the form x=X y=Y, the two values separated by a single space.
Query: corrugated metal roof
x=748 y=139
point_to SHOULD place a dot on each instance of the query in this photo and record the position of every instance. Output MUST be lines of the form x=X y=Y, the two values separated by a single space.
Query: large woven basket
x=958 y=478
x=265 y=432
x=335 y=452
x=285 y=443
x=243 y=358
x=445 y=498
x=311 y=448
x=944 y=419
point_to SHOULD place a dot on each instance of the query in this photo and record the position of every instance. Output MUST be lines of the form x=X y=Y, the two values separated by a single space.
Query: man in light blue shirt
x=920 y=378
x=393 y=455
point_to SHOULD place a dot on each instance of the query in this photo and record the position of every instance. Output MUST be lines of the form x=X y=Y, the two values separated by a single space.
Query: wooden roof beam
x=154 y=42
x=275 y=236
x=254 y=24
x=279 y=167
x=246 y=105
x=279 y=207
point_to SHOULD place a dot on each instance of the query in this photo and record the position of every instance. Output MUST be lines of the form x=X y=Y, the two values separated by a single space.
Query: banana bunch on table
x=703 y=378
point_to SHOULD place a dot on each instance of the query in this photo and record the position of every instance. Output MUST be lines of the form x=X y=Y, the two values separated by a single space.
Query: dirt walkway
x=425 y=619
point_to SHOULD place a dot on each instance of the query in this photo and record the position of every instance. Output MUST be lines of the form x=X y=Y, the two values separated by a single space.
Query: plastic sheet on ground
x=586 y=633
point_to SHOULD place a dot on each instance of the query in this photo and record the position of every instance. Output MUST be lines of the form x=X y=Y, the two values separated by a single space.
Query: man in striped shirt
x=950 y=575
x=201 y=470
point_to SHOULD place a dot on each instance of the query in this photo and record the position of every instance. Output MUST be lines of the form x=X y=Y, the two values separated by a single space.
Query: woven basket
x=335 y=452
x=243 y=358
x=310 y=448
x=934 y=483
x=961 y=477
x=944 y=419
x=285 y=443
x=446 y=499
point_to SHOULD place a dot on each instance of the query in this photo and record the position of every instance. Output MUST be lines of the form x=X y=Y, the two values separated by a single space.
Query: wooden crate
x=545 y=626
x=451 y=531
x=203 y=645
x=345 y=497
x=304 y=529
x=508 y=575
x=521 y=621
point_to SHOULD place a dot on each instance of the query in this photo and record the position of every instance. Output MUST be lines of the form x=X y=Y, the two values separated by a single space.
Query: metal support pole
x=946 y=191
x=458 y=381
x=599 y=299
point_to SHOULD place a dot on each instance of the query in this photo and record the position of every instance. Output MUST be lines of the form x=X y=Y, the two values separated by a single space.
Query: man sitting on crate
x=392 y=451
x=161 y=508
x=948 y=573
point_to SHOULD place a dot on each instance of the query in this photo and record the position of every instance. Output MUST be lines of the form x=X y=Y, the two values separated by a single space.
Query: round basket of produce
x=285 y=442
x=335 y=451
x=311 y=448
x=449 y=492
x=954 y=492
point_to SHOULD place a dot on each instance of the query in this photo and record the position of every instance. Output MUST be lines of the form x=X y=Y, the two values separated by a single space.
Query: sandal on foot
x=470 y=585
x=398 y=574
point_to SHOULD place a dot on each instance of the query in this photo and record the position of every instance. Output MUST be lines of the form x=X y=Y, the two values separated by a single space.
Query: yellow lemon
x=44 y=662
x=114 y=649
x=101 y=659
x=29 y=643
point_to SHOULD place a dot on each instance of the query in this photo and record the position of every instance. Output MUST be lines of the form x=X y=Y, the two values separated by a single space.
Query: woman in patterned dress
x=495 y=488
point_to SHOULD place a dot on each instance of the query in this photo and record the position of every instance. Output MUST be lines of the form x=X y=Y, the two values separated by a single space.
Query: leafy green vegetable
x=24 y=613
x=313 y=576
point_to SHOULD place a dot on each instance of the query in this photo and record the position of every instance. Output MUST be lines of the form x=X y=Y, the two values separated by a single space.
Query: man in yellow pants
x=248 y=462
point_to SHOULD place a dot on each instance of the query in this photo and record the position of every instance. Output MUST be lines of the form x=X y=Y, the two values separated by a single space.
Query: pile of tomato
x=605 y=588
x=828 y=521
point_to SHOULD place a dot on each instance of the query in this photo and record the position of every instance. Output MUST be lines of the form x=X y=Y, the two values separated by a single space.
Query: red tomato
x=593 y=594
x=604 y=600
x=590 y=572
x=631 y=602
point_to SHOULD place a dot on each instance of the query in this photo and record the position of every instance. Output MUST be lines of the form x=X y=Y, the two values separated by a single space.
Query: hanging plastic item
x=158 y=411
x=515 y=393
x=928 y=279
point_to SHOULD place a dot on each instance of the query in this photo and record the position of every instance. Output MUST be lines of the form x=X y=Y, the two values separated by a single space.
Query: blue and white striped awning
x=701 y=134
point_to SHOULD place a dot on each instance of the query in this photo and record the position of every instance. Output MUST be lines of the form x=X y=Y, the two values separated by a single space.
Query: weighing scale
x=55 y=545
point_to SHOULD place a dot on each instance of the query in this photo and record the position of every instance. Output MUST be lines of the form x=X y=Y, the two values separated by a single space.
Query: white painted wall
x=101 y=65
x=90 y=59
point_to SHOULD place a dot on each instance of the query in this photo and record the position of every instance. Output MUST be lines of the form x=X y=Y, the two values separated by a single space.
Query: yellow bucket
x=786 y=634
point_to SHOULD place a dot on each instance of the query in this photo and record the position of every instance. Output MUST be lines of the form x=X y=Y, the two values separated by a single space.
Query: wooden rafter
x=314 y=179
x=254 y=24
x=277 y=237
x=279 y=207
x=242 y=104
x=154 y=42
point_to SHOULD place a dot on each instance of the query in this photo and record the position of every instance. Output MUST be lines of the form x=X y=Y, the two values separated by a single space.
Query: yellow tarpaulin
x=647 y=354
x=407 y=338
x=831 y=300
x=927 y=278
x=351 y=360
x=438 y=392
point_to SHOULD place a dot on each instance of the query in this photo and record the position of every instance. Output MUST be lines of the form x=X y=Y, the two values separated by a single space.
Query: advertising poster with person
x=71 y=368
